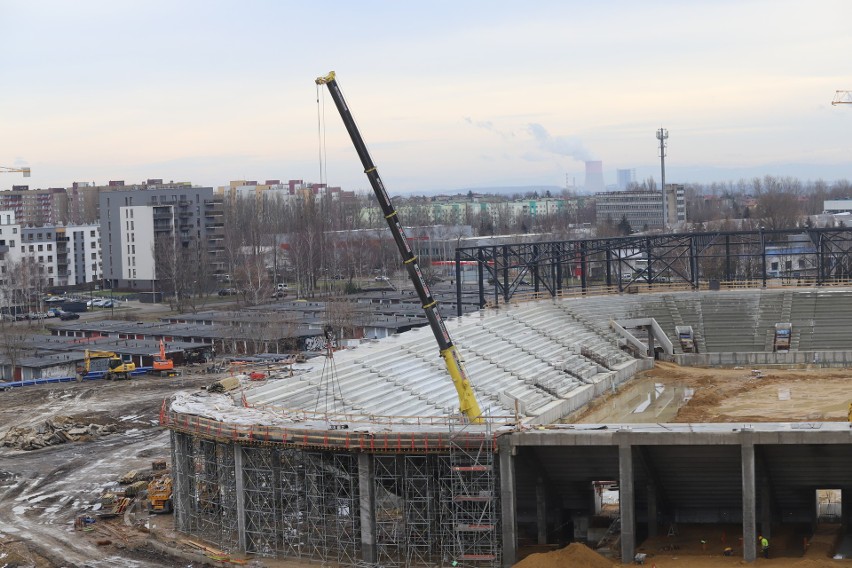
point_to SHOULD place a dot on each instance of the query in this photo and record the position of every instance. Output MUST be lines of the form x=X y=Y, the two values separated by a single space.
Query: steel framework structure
x=274 y=500
x=554 y=268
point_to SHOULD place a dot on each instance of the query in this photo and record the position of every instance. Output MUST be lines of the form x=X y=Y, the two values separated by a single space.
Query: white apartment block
x=63 y=256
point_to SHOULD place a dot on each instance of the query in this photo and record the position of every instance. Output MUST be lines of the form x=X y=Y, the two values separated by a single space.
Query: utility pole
x=662 y=136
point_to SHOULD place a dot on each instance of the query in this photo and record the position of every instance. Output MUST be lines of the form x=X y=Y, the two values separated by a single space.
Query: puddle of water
x=643 y=402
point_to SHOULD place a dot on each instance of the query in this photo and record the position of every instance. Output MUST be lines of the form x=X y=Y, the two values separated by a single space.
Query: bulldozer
x=160 y=494
x=108 y=362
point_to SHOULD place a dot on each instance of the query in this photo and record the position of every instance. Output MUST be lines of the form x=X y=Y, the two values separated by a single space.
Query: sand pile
x=575 y=555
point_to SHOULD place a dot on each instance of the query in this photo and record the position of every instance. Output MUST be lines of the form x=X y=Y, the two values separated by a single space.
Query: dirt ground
x=736 y=395
x=42 y=491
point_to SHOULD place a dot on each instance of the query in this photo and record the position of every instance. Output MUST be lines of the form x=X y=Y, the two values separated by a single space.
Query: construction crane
x=468 y=404
x=8 y=170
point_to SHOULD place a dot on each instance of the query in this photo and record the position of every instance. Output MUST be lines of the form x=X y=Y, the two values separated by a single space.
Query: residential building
x=64 y=256
x=37 y=207
x=133 y=218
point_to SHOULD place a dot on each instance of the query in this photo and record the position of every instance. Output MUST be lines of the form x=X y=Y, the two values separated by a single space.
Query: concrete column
x=541 y=510
x=241 y=497
x=626 y=501
x=367 y=506
x=507 y=500
x=650 y=341
x=846 y=508
x=749 y=500
x=653 y=528
x=765 y=510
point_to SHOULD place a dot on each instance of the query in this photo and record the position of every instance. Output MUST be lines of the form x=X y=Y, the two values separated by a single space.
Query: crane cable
x=321 y=137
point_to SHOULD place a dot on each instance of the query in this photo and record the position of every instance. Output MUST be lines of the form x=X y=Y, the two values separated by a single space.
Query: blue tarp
x=93 y=376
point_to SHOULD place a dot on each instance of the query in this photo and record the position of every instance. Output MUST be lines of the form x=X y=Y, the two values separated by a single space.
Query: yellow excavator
x=468 y=404
x=110 y=363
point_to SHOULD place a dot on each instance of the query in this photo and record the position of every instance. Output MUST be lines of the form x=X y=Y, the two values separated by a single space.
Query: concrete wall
x=792 y=358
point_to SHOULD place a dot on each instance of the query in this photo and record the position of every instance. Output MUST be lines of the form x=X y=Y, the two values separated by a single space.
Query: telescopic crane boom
x=8 y=170
x=842 y=98
x=467 y=400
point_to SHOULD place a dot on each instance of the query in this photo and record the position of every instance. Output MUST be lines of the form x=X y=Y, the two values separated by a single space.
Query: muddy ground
x=43 y=491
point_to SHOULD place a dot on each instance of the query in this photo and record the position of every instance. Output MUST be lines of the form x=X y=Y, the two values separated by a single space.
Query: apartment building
x=36 y=206
x=133 y=218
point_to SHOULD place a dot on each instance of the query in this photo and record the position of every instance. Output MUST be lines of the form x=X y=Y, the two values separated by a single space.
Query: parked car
x=228 y=292
x=54 y=300
x=382 y=279
x=65 y=316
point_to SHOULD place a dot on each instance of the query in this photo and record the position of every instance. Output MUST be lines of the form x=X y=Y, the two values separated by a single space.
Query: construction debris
x=57 y=430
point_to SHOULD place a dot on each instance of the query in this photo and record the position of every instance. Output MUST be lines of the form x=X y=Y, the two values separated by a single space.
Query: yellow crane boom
x=467 y=399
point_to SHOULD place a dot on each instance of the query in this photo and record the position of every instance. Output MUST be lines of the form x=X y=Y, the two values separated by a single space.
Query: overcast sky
x=448 y=94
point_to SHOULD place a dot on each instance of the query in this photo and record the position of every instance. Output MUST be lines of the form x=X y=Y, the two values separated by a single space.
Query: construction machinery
x=468 y=404
x=109 y=363
x=161 y=364
x=684 y=336
x=160 y=494
x=8 y=170
x=783 y=334
x=842 y=97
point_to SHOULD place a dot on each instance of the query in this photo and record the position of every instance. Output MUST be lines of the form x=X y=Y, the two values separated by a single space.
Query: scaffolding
x=425 y=509
x=474 y=499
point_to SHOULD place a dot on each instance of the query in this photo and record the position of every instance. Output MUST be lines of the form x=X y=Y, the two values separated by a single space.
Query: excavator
x=468 y=405
x=113 y=366
x=161 y=365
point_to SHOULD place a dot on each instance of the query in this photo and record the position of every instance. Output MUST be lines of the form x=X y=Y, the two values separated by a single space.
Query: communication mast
x=662 y=136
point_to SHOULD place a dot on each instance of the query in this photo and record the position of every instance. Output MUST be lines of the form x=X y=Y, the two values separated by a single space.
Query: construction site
x=319 y=466
x=652 y=417
x=360 y=457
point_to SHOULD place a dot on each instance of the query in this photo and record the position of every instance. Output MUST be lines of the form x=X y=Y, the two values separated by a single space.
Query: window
x=50 y=258
x=32 y=248
x=40 y=248
x=14 y=230
x=93 y=245
x=92 y=234
x=133 y=249
x=94 y=256
x=49 y=246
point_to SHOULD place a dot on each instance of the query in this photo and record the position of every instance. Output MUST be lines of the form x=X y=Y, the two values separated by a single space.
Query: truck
x=468 y=405
x=110 y=363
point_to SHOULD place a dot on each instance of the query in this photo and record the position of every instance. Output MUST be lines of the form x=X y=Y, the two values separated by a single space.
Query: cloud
x=570 y=146
x=489 y=126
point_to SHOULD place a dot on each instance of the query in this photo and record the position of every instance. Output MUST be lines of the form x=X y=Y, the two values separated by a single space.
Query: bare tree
x=778 y=205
